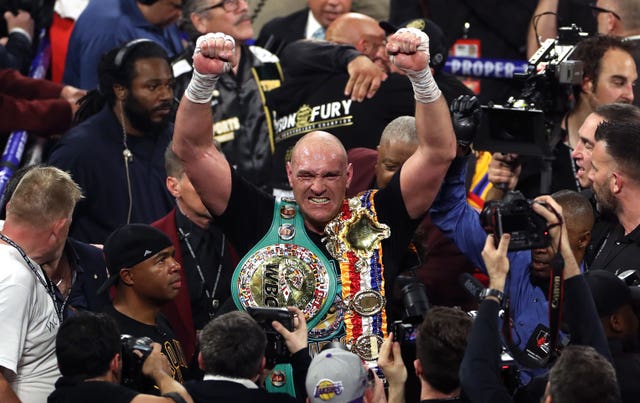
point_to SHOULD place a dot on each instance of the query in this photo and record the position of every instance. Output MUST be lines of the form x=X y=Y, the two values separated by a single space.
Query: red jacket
x=32 y=105
x=178 y=311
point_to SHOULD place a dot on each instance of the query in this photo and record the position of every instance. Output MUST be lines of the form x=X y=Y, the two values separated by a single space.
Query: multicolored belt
x=354 y=239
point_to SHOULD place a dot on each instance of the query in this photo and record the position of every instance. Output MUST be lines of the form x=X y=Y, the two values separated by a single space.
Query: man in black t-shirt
x=89 y=355
x=146 y=276
x=319 y=173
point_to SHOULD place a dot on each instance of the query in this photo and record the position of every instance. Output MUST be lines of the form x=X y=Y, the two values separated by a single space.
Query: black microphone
x=471 y=284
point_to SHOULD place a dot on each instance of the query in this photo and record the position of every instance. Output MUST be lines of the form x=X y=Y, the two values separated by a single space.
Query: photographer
x=581 y=373
x=440 y=345
x=528 y=282
x=609 y=73
x=232 y=355
x=89 y=355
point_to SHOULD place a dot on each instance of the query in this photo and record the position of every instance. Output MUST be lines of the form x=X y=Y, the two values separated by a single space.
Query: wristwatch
x=492 y=292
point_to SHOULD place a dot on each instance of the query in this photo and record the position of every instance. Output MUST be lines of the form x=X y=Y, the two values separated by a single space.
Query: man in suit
x=309 y=23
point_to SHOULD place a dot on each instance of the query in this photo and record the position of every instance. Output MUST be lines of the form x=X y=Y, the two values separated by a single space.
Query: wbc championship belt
x=286 y=268
x=354 y=239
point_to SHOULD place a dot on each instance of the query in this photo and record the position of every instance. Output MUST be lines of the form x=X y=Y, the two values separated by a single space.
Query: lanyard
x=210 y=295
x=40 y=275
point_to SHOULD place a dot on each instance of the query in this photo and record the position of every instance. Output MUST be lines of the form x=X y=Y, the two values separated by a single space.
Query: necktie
x=318 y=33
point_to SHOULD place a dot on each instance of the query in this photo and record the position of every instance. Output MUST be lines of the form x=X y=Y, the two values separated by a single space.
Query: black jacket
x=280 y=31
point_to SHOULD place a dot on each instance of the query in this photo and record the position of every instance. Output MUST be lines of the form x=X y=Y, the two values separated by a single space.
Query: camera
x=415 y=304
x=276 y=351
x=514 y=215
x=132 y=376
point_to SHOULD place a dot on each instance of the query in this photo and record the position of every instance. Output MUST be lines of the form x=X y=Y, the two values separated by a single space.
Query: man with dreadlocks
x=116 y=152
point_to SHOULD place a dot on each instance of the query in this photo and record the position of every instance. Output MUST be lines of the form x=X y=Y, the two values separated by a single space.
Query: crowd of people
x=296 y=211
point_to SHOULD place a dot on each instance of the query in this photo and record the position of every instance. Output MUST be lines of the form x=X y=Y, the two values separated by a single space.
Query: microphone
x=127 y=154
x=471 y=284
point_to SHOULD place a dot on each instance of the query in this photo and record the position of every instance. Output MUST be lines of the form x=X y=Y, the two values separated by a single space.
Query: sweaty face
x=319 y=177
x=391 y=156
x=325 y=11
x=157 y=279
x=584 y=148
x=616 y=79
x=601 y=177
x=149 y=101
x=236 y=24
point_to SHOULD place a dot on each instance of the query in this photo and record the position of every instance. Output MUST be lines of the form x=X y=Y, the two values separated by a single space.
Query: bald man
x=319 y=175
x=313 y=95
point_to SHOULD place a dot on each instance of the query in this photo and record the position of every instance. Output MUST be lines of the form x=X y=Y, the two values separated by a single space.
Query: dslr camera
x=276 y=351
x=415 y=305
x=132 y=376
x=514 y=215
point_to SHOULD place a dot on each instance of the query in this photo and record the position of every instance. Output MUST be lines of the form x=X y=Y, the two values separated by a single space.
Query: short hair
x=591 y=50
x=233 y=345
x=581 y=374
x=44 y=194
x=86 y=343
x=618 y=112
x=172 y=163
x=440 y=346
x=576 y=208
x=111 y=73
x=622 y=142
x=401 y=129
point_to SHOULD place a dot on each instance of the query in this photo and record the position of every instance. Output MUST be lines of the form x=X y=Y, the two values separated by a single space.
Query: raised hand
x=215 y=53
x=408 y=49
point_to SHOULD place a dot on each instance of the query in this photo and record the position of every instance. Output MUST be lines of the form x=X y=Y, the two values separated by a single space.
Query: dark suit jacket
x=225 y=391
x=94 y=273
x=280 y=31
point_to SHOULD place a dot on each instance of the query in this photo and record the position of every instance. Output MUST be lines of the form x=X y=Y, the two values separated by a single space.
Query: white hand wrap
x=425 y=89
x=200 y=89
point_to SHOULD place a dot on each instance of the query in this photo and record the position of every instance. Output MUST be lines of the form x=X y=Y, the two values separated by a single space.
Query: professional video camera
x=523 y=125
x=276 y=351
x=132 y=376
x=415 y=303
x=514 y=215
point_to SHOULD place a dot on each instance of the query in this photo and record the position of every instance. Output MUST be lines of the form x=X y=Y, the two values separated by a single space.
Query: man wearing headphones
x=106 y=24
x=116 y=153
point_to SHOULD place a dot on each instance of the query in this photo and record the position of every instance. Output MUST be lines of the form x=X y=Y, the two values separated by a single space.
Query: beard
x=606 y=202
x=140 y=117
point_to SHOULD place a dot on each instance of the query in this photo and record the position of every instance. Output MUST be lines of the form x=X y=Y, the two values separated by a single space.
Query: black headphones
x=147 y=2
x=125 y=50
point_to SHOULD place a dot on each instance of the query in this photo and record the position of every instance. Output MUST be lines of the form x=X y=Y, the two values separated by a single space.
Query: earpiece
x=128 y=156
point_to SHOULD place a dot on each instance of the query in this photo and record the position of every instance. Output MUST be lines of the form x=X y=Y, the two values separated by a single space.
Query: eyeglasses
x=597 y=10
x=228 y=5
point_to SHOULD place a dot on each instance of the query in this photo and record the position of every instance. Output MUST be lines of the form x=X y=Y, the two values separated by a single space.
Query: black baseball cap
x=129 y=245
x=610 y=292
